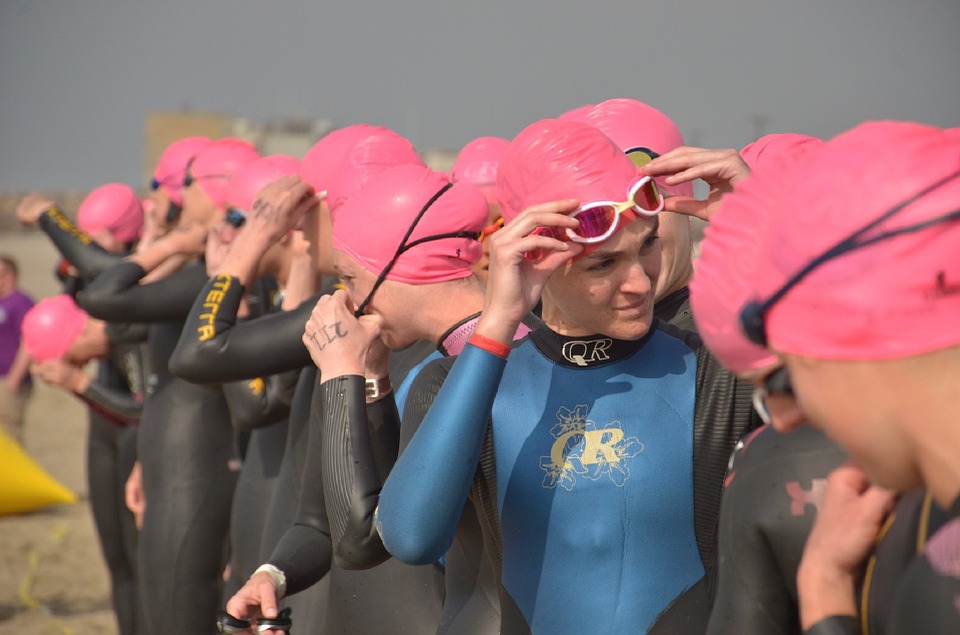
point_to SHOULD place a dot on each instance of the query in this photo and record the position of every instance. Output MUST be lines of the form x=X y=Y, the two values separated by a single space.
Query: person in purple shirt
x=14 y=362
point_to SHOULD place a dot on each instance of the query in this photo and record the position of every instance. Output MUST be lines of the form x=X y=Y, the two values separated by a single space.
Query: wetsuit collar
x=586 y=352
x=673 y=306
x=453 y=341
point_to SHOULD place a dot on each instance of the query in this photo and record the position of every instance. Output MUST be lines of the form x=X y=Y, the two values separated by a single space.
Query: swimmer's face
x=853 y=403
x=198 y=207
x=609 y=291
x=389 y=302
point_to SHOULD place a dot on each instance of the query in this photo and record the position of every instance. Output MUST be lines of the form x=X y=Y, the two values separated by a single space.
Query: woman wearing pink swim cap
x=392 y=284
x=861 y=310
x=587 y=485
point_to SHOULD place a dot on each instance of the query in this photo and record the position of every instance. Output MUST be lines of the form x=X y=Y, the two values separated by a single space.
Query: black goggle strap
x=403 y=247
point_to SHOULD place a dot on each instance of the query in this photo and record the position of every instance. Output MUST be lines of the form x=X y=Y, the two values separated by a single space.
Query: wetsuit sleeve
x=305 y=551
x=116 y=295
x=89 y=258
x=215 y=347
x=259 y=402
x=360 y=446
x=424 y=496
x=118 y=406
x=838 y=625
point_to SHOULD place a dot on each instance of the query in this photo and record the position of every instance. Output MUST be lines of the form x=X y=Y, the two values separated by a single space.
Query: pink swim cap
x=554 y=159
x=213 y=167
x=322 y=161
x=477 y=165
x=773 y=147
x=247 y=182
x=633 y=125
x=374 y=150
x=895 y=298
x=371 y=224
x=113 y=207
x=172 y=164
x=51 y=327
x=732 y=268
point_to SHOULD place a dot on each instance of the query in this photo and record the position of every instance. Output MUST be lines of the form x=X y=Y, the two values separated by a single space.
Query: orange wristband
x=491 y=346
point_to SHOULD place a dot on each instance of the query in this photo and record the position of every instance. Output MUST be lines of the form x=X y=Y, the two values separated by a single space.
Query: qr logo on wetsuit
x=581 y=449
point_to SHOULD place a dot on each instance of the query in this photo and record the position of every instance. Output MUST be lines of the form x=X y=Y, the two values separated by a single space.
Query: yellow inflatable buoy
x=24 y=485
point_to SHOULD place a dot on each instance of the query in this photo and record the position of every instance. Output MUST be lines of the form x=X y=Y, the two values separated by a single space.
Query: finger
x=683 y=158
x=719 y=169
x=687 y=206
x=240 y=605
x=268 y=599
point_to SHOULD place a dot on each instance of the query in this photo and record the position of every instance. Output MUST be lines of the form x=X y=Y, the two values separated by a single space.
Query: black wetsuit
x=773 y=490
x=114 y=399
x=186 y=449
x=675 y=309
x=390 y=598
x=222 y=349
x=356 y=438
x=911 y=584
x=771 y=495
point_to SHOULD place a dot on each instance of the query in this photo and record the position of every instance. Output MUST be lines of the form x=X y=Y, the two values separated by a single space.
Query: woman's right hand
x=521 y=262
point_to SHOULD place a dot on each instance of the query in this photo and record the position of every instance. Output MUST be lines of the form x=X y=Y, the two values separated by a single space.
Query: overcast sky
x=77 y=77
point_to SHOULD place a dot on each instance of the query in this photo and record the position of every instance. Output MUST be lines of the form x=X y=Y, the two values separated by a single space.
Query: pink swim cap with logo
x=373 y=151
x=172 y=165
x=370 y=225
x=633 y=124
x=113 y=207
x=477 y=165
x=247 y=182
x=51 y=326
x=213 y=167
x=895 y=298
x=555 y=159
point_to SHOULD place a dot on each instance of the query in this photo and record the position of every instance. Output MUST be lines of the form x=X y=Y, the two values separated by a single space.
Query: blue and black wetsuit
x=599 y=480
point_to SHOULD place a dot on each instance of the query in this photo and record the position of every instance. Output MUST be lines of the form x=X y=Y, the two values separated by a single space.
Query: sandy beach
x=52 y=576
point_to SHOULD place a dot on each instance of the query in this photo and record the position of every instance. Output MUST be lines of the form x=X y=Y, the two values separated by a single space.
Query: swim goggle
x=599 y=220
x=236 y=217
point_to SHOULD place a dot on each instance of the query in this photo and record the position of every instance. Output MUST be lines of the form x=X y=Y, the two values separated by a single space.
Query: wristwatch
x=378 y=388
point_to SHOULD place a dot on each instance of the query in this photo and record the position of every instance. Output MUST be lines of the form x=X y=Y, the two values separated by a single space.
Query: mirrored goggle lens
x=596 y=222
x=551 y=232
x=236 y=217
x=647 y=197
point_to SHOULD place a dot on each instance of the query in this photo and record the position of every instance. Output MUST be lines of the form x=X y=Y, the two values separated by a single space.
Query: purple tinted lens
x=596 y=221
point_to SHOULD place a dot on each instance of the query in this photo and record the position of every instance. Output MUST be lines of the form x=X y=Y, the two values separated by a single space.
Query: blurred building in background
x=291 y=135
